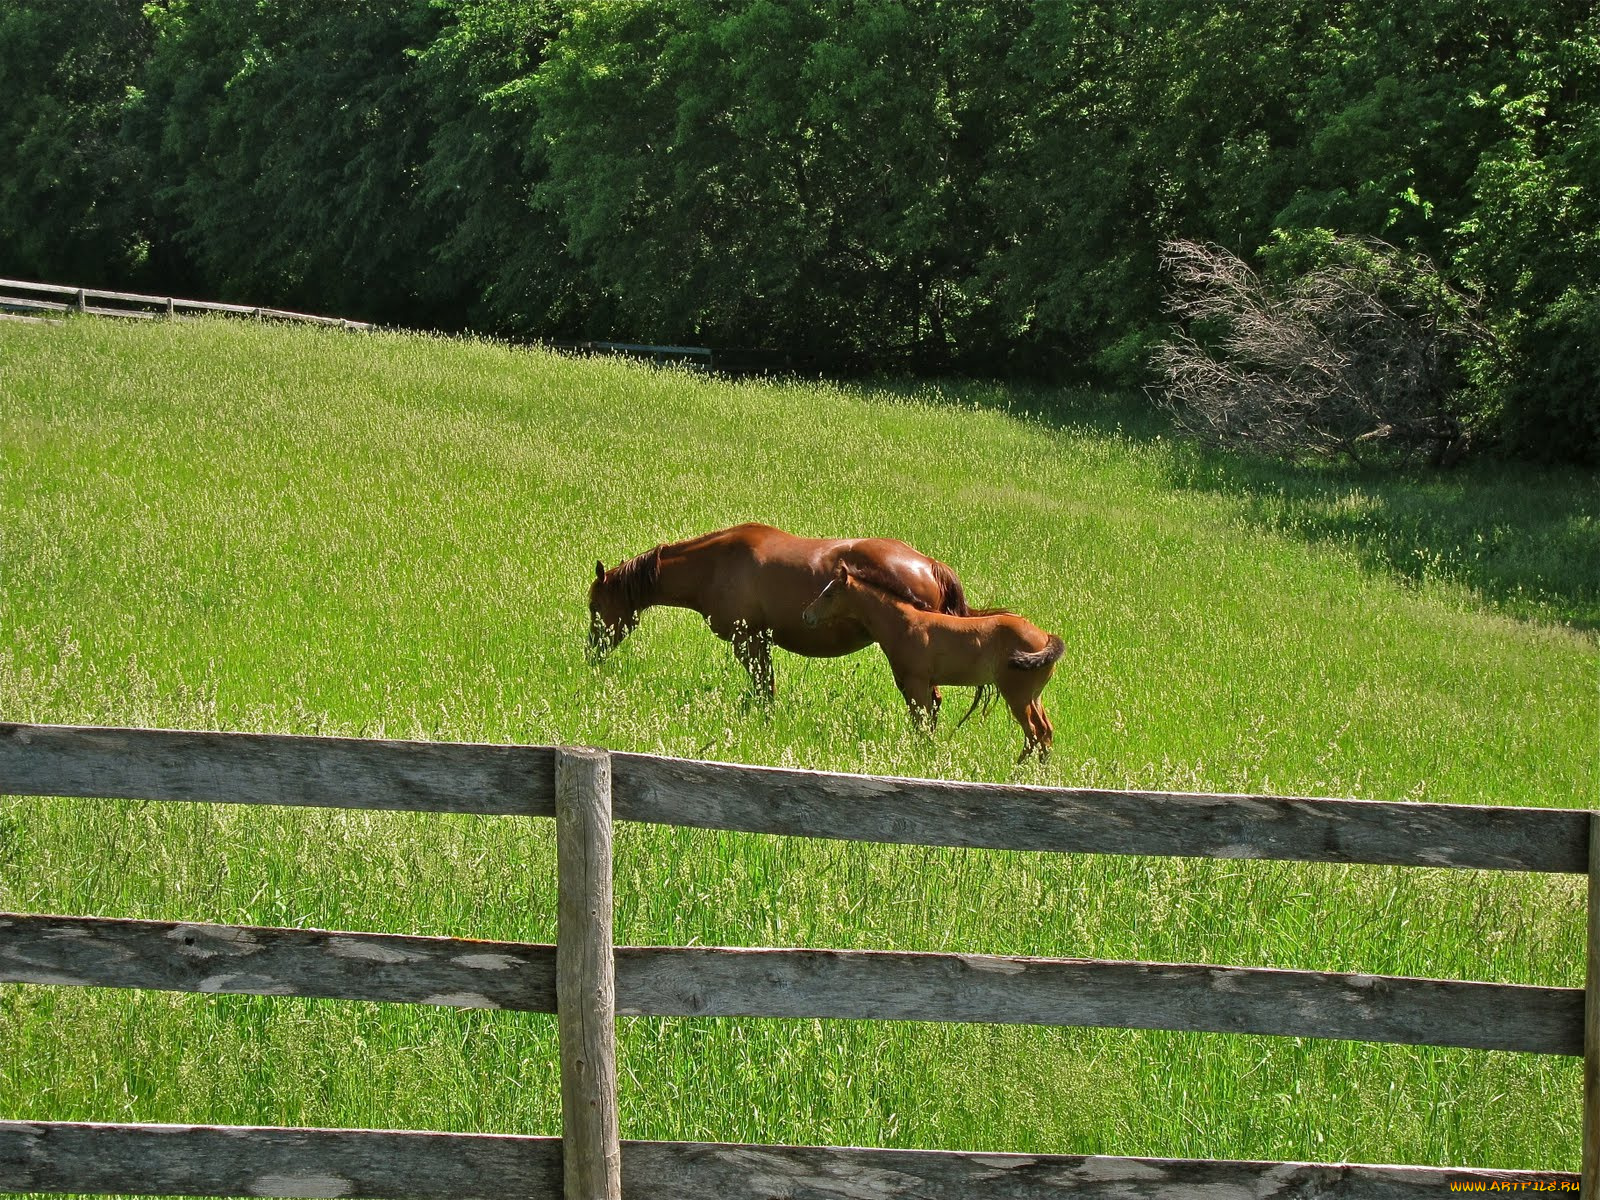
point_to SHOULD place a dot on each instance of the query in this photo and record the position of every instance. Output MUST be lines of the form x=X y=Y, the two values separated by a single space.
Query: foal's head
x=616 y=596
x=830 y=599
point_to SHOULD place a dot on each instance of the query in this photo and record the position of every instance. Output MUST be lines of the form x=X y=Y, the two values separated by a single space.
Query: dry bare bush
x=1360 y=354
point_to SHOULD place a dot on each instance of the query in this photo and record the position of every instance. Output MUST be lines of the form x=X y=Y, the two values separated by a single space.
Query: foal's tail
x=1039 y=659
x=952 y=596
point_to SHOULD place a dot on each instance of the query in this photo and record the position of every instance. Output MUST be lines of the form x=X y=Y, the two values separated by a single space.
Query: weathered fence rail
x=587 y=981
x=245 y=1161
x=261 y=768
x=68 y=299
x=700 y=981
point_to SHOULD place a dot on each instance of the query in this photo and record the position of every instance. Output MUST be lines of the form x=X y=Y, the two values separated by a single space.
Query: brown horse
x=751 y=582
x=994 y=648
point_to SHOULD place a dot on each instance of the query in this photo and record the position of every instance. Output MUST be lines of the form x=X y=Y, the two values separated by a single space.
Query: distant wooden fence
x=587 y=981
x=20 y=297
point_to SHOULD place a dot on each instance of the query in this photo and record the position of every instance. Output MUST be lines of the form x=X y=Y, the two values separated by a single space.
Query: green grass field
x=230 y=526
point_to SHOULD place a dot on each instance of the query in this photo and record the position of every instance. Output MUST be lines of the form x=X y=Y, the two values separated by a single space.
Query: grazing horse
x=993 y=648
x=751 y=582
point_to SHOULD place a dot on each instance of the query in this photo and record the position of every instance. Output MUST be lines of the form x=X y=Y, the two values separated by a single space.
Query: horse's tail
x=1039 y=659
x=984 y=691
x=952 y=596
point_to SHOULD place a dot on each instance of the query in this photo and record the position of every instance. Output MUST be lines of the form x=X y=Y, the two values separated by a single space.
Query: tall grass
x=237 y=527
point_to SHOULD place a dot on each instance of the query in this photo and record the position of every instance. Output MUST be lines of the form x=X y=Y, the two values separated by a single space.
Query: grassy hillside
x=242 y=527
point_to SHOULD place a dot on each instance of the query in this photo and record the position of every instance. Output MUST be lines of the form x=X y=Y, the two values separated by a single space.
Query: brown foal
x=925 y=649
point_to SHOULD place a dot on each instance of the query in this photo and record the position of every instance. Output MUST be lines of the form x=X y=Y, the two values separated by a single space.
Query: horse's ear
x=599 y=571
x=841 y=571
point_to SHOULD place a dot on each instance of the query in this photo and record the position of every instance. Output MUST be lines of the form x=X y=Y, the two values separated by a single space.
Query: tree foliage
x=919 y=184
x=72 y=196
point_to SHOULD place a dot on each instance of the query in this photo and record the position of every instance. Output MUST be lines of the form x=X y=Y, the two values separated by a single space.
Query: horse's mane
x=636 y=579
x=698 y=542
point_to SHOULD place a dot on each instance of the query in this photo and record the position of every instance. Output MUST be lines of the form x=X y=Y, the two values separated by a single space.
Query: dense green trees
x=921 y=184
x=72 y=189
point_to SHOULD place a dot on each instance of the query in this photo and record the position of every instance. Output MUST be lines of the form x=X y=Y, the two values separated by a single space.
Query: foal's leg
x=1044 y=732
x=922 y=700
x=1021 y=707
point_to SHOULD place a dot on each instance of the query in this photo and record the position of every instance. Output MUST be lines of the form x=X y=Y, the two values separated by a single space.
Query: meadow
x=234 y=526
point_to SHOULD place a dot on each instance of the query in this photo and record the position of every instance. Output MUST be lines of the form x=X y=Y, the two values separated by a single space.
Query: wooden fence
x=586 y=981
x=34 y=300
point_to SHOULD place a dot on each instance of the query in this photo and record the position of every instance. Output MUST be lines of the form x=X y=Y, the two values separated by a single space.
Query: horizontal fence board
x=54 y=289
x=842 y=984
x=266 y=768
x=238 y=310
x=164 y=302
x=1014 y=817
x=128 y=297
x=201 y=1160
x=455 y=777
x=197 y=1160
x=41 y=305
x=178 y=956
x=693 y=1171
x=893 y=986
x=464 y=778
x=283 y=314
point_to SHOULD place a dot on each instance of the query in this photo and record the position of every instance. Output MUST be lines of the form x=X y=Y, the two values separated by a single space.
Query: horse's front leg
x=753 y=649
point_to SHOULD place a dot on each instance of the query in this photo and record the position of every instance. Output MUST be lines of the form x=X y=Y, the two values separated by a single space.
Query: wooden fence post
x=586 y=992
x=1589 y=1180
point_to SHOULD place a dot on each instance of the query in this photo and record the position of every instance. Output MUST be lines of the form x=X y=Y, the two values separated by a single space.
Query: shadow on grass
x=1073 y=410
x=1524 y=538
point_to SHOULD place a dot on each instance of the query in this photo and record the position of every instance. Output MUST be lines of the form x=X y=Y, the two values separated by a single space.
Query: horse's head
x=612 y=613
x=618 y=596
x=827 y=603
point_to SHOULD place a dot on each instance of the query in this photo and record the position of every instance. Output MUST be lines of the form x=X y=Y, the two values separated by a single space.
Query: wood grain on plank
x=200 y=1160
x=887 y=985
x=1015 y=817
x=586 y=978
x=221 y=1160
x=691 y=1171
x=452 y=777
x=845 y=984
x=267 y=768
x=253 y=960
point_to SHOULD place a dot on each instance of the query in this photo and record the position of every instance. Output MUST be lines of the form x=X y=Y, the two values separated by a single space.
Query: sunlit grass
x=235 y=527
